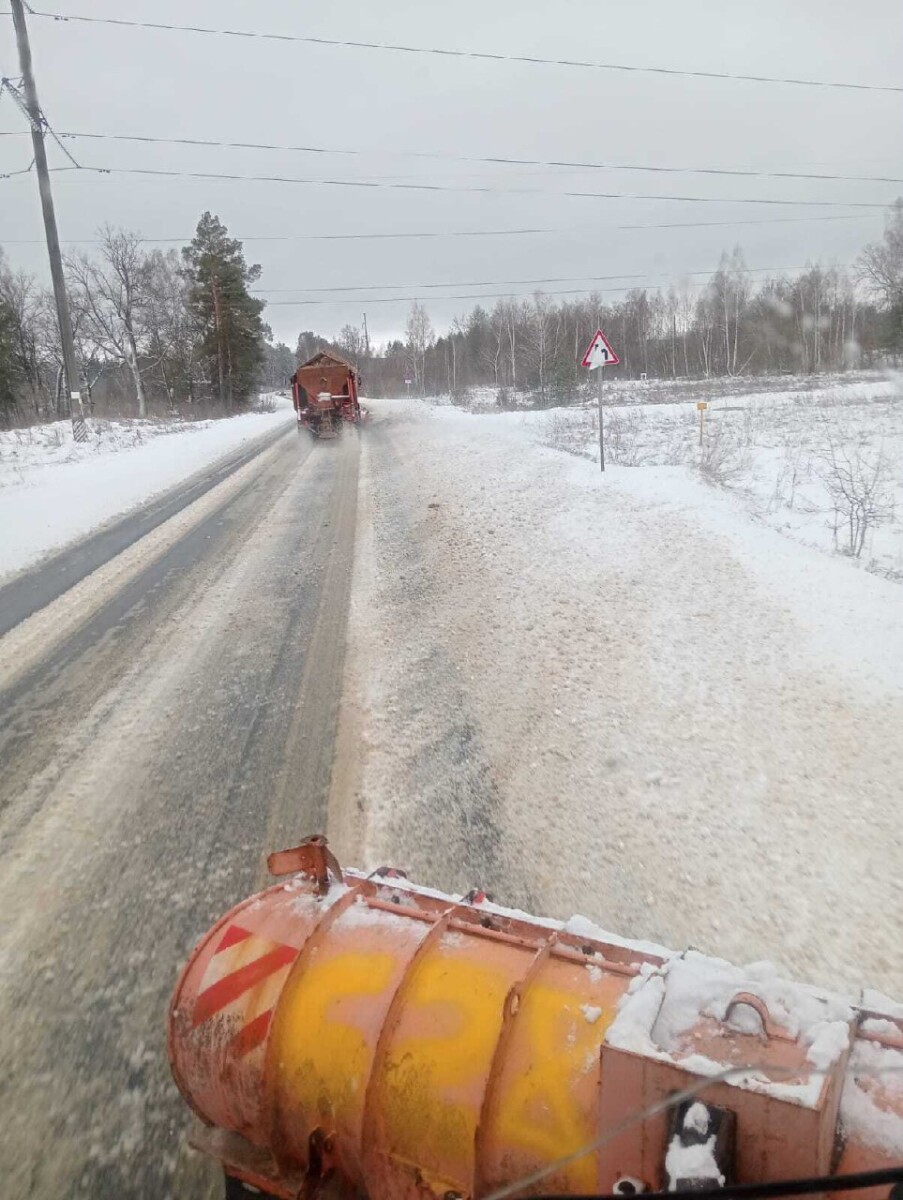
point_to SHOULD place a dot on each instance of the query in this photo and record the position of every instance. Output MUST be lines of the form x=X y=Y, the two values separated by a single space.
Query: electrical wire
x=472 y=190
x=485 y=160
x=580 y=291
x=410 y=299
x=40 y=124
x=49 y=128
x=7 y=85
x=458 y=233
x=479 y=55
x=384 y=287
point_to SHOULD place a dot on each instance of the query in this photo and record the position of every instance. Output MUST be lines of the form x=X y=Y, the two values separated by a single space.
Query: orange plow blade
x=397 y=1043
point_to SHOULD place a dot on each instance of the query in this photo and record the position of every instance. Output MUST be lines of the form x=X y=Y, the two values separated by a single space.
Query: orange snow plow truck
x=324 y=394
x=343 y=1035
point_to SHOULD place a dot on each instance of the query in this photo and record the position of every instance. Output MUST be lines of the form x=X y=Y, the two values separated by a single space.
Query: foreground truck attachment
x=351 y=1035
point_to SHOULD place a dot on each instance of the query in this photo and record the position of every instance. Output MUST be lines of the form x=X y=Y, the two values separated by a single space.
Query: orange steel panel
x=435 y=1063
x=415 y=1045
x=324 y=1040
x=332 y=378
x=535 y=1116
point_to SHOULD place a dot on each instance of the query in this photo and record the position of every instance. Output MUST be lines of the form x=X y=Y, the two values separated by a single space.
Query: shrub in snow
x=623 y=438
x=573 y=432
x=858 y=485
x=724 y=455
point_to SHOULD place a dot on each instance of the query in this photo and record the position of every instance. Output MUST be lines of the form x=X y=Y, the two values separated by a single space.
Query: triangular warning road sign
x=599 y=353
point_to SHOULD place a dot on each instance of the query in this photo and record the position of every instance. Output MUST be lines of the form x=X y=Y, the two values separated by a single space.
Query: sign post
x=701 y=406
x=599 y=354
x=601 y=438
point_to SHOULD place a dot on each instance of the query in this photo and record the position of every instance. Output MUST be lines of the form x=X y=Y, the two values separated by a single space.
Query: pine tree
x=11 y=374
x=225 y=316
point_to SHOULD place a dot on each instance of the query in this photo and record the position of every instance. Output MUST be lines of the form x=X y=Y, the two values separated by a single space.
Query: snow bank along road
x=620 y=697
x=30 y=590
x=163 y=724
x=53 y=489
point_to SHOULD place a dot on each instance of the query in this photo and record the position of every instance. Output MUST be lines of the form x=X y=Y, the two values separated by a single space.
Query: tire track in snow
x=427 y=799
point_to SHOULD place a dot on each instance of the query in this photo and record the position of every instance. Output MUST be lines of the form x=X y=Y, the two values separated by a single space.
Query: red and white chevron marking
x=242 y=982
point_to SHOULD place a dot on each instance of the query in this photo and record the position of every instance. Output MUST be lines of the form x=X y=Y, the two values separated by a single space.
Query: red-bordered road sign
x=599 y=353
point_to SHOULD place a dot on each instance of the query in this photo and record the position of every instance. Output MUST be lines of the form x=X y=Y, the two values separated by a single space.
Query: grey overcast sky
x=96 y=78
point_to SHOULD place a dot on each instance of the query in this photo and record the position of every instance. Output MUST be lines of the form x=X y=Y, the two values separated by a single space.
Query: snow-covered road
x=618 y=696
x=54 y=490
x=164 y=724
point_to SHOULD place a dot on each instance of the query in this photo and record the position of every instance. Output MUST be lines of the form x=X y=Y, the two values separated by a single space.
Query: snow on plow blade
x=399 y=1043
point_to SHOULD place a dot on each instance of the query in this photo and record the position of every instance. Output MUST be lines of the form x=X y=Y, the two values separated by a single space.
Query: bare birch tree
x=111 y=294
x=419 y=337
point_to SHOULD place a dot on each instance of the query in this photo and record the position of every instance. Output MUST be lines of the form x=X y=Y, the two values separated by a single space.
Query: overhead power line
x=478 y=55
x=472 y=189
x=385 y=287
x=464 y=233
x=410 y=299
x=578 y=291
x=487 y=160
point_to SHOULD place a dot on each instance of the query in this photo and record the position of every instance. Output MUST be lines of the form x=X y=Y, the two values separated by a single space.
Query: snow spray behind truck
x=324 y=394
x=345 y=1035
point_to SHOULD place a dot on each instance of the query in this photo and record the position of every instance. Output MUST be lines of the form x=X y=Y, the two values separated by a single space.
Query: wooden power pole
x=35 y=117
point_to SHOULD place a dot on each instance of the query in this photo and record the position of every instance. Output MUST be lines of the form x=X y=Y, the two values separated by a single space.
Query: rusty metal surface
x=326 y=377
x=325 y=394
x=364 y=1030
x=313 y=857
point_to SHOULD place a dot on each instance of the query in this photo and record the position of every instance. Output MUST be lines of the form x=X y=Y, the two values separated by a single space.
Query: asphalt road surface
x=164 y=723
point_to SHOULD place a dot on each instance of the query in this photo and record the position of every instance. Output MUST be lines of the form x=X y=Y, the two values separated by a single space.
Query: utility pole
x=366 y=338
x=35 y=117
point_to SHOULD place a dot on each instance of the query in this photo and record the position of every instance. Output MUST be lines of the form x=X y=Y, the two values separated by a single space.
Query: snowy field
x=822 y=465
x=54 y=490
x=637 y=696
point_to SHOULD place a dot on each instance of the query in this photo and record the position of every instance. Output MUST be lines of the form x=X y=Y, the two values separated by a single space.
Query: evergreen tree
x=11 y=374
x=279 y=364
x=225 y=316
